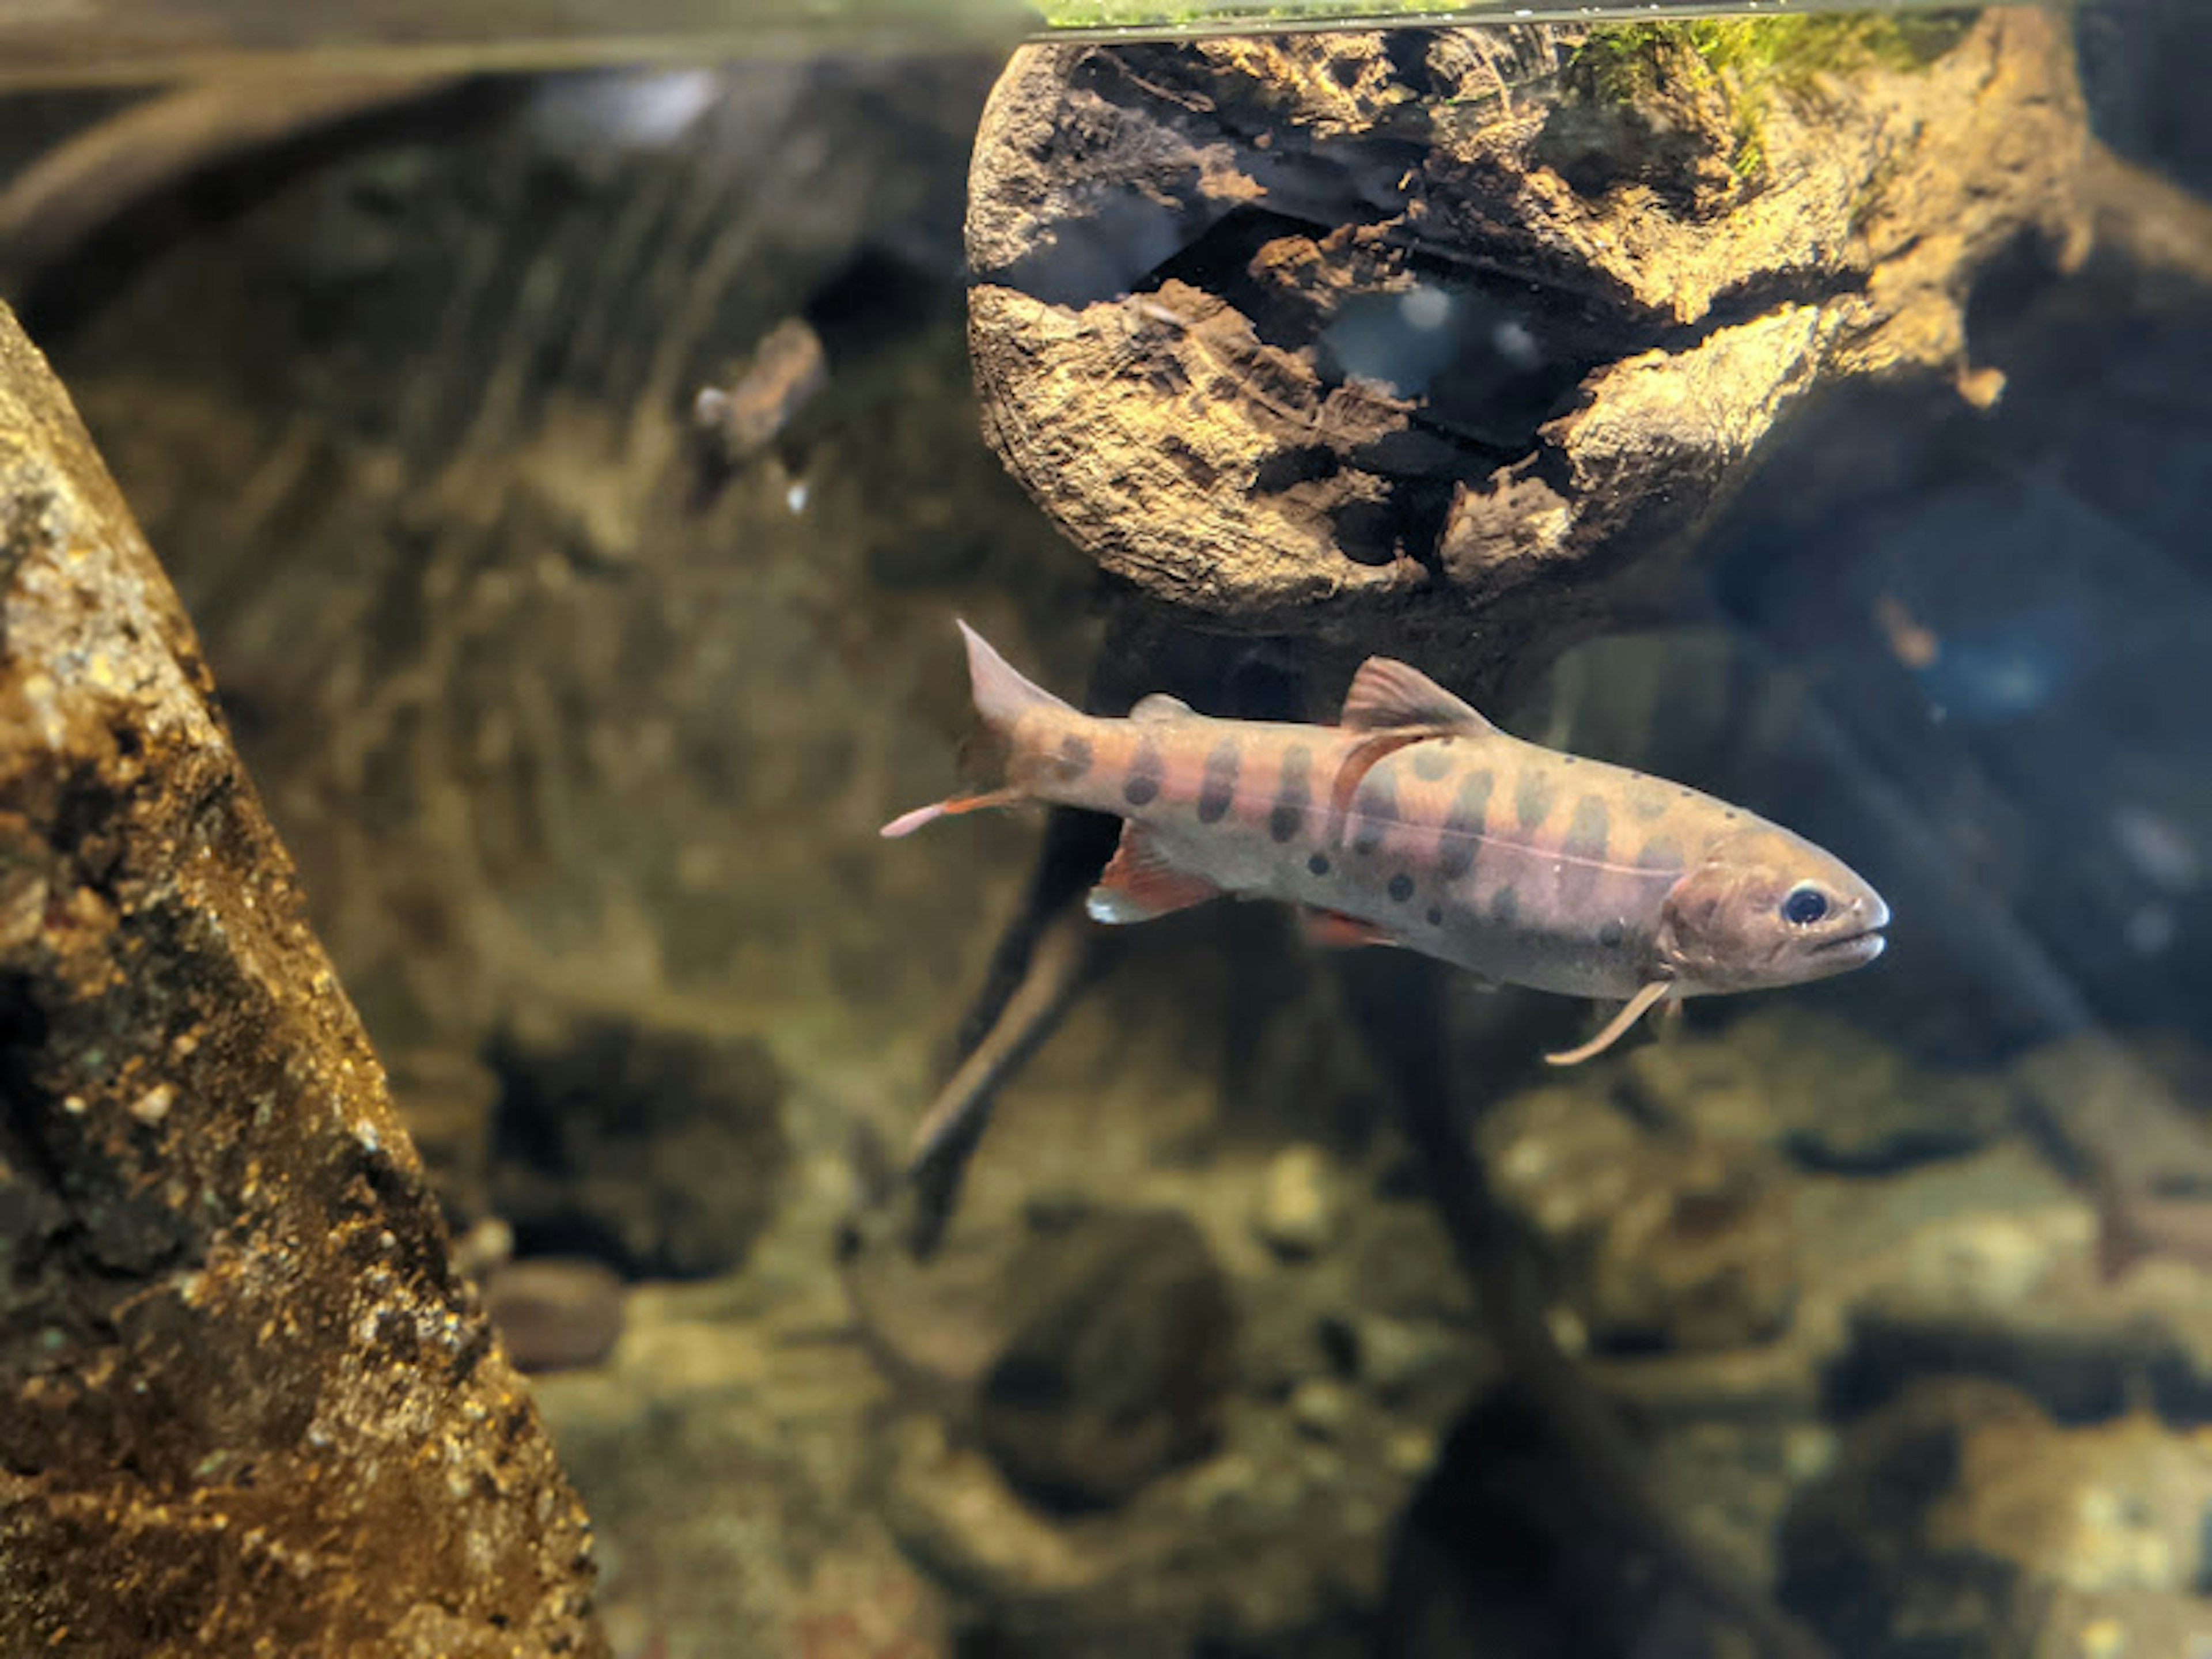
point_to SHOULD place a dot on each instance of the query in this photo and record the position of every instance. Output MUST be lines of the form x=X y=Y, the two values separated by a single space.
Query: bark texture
x=1451 y=343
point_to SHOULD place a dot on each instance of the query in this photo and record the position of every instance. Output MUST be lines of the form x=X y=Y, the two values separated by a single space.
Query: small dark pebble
x=556 y=1313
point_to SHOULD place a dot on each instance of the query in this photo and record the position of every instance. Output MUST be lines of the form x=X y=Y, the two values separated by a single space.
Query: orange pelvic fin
x=1140 y=882
x=1332 y=929
x=907 y=823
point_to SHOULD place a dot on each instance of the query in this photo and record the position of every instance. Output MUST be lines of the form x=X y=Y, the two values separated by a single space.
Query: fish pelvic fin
x=1616 y=1028
x=1332 y=929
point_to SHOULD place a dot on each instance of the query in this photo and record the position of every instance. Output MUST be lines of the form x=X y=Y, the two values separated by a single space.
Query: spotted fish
x=1414 y=822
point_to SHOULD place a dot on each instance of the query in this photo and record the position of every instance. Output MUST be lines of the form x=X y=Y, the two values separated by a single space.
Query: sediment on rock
x=245 y=1404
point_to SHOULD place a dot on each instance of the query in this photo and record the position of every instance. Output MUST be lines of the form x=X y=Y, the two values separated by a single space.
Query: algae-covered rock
x=1962 y=1521
x=1833 y=1097
x=244 y=1404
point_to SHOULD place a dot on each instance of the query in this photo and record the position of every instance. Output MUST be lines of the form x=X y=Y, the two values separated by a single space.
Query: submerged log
x=246 y=1405
x=1451 y=343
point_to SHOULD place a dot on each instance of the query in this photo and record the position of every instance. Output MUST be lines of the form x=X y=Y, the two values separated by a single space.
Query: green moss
x=1756 y=59
x=1171 y=17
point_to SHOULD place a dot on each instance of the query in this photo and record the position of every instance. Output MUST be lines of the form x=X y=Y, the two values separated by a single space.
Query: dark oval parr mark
x=1217 y=794
x=1146 y=771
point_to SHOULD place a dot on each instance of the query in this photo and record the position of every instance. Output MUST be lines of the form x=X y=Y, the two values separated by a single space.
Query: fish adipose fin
x=1159 y=706
x=1140 y=883
x=1616 y=1028
x=1332 y=929
x=1002 y=697
x=1388 y=695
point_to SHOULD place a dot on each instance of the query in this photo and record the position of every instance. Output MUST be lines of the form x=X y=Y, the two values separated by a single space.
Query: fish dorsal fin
x=1160 y=707
x=1141 y=882
x=1386 y=694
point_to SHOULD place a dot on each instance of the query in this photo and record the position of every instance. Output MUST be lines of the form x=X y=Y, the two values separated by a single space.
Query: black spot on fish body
x=1610 y=935
x=1432 y=762
x=1461 y=837
x=1146 y=769
x=1218 y=792
x=1374 y=812
x=1435 y=917
x=1075 y=756
x=1293 y=794
x=1402 y=887
x=1506 y=906
x=1318 y=863
x=1532 y=797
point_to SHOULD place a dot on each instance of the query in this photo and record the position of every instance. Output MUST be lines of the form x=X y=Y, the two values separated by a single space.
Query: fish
x=1414 y=822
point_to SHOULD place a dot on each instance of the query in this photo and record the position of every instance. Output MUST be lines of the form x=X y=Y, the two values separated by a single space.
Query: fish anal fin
x=1332 y=930
x=1141 y=882
x=1386 y=694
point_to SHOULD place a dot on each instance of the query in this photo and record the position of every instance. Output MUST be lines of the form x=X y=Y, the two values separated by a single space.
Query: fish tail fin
x=1002 y=695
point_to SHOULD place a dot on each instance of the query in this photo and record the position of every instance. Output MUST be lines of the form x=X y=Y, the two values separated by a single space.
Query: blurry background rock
x=583 y=761
x=660 y=1152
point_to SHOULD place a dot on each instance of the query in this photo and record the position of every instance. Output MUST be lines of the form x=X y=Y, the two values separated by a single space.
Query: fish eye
x=1804 y=906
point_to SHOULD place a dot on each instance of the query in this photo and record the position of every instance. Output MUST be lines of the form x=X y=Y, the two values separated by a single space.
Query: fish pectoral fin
x=1141 y=882
x=1616 y=1028
x=1386 y=694
x=1332 y=930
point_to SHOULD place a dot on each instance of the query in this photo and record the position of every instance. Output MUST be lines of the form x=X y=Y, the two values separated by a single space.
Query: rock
x=1296 y=1213
x=660 y=1152
x=1119 y=1362
x=1663 y=1242
x=1348 y=335
x=1960 y=1519
x=554 y=1313
x=1830 y=1095
x=244 y=1401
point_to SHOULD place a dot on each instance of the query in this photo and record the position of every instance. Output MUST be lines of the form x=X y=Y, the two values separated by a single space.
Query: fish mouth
x=1851 y=950
x=1855 y=950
